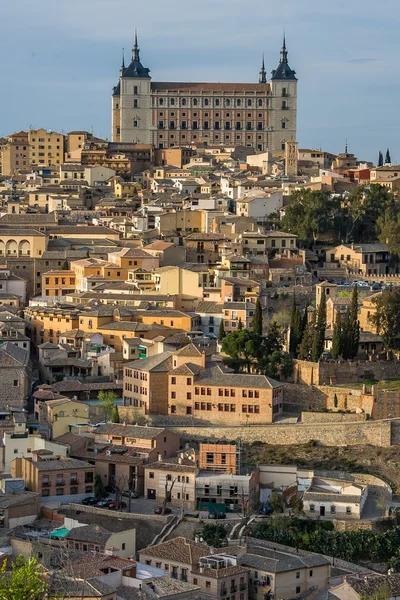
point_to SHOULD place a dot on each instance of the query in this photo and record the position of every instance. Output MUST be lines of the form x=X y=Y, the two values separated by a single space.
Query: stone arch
x=2 y=248
x=11 y=248
x=24 y=248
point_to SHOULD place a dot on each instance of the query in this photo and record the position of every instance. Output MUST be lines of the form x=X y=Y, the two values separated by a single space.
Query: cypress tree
x=306 y=344
x=354 y=325
x=337 y=339
x=380 y=159
x=221 y=332
x=388 y=160
x=258 y=319
x=240 y=324
x=296 y=328
x=319 y=337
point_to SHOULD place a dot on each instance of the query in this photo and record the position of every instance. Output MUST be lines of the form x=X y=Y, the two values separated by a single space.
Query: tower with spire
x=131 y=101
x=284 y=102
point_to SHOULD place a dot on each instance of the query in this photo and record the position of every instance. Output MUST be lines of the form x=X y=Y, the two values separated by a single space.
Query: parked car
x=131 y=493
x=217 y=515
x=265 y=510
x=159 y=510
x=116 y=505
x=105 y=502
x=90 y=500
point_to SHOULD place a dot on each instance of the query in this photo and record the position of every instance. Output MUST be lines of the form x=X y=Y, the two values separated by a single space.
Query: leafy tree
x=213 y=534
x=65 y=266
x=296 y=504
x=319 y=337
x=107 y=402
x=26 y=580
x=99 y=490
x=388 y=160
x=380 y=159
x=388 y=227
x=337 y=339
x=221 y=332
x=295 y=328
x=115 y=414
x=240 y=346
x=360 y=211
x=387 y=318
x=258 y=319
x=308 y=214
x=276 y=502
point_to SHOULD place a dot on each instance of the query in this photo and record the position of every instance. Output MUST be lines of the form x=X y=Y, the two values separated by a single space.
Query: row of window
x=63 y=281
x=332 y=509
x=206 y=114
x=207 y=125
x=208 y=102
x=246 y=408
x=136 y=374
x=129 y=387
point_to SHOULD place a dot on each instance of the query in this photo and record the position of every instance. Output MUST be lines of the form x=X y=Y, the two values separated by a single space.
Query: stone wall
x=300 y=398
x=332 y=417
x=386 y=404
x=377 y=433
x=328 y=373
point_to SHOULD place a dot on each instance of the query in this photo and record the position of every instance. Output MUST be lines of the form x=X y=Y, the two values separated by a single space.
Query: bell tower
x=283 y=84
x=131 y=102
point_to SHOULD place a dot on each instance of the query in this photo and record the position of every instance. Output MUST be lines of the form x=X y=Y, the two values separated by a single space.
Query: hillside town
x=199 y=353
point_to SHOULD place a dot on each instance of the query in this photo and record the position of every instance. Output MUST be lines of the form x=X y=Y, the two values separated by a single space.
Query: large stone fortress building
x=166 y=114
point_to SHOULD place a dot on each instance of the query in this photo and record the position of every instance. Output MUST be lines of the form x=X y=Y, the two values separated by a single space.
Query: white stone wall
x=278 y=115
x=142 y=113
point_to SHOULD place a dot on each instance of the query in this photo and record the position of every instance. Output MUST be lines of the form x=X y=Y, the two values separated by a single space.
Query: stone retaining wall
x=331 y=417
x=376 y=433
x=327 y=373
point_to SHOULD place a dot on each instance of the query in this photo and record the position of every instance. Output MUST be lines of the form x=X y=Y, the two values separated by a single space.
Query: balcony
x=60 y=482
x=46 y=484
x=233 y=589
x=74 y=481
x=224 y=592
x=242 y=587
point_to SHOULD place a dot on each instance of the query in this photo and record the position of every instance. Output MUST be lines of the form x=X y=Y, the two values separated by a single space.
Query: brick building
x=119 y=452
x=51 y=475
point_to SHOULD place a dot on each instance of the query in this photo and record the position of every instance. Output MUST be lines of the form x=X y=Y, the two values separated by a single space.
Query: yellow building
x=14 y=153
x=45 y=147
x=22 y=243
x=46 y=324
x=58 y=283
x=136 y=258
x=95 y=267
x=62 y=413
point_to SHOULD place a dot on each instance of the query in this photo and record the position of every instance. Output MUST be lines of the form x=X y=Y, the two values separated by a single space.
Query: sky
x=61 y=58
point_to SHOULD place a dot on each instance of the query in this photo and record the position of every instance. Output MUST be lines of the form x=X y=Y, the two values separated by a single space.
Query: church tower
x=131 y=102
x=284 y=102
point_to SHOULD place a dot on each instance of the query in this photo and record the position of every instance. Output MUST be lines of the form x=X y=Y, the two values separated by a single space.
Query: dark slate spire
x=263 y=73
x=123 y=62
x=283 y=58
x=284 y=71
x=136 y=49
x=136 y=69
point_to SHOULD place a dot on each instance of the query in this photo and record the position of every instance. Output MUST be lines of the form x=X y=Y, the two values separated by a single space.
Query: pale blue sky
x=60 y=59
